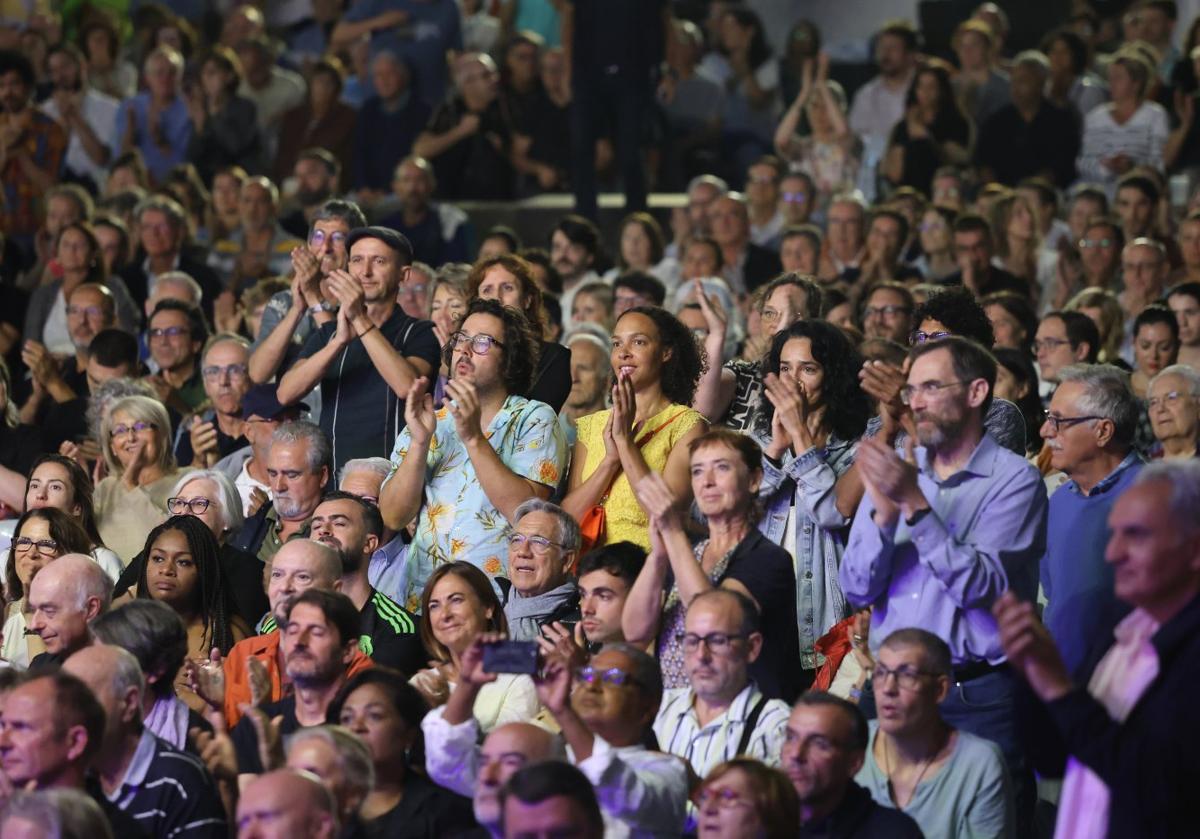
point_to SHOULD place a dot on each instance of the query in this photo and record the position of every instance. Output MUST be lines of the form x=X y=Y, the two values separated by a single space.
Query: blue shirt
x=176 y=127
x=982 y=536
x=1078 y=583
x=433 y=27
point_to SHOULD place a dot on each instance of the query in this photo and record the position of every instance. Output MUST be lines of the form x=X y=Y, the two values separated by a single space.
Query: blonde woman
x=1103 y=307
x=135 y=443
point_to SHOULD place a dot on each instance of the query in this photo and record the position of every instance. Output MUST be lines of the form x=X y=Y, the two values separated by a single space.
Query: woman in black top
x=385 y=711
x=509 y=279
x=934 y=132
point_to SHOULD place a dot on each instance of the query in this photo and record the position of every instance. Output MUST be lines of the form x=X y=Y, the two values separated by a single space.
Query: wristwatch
x=323 y=306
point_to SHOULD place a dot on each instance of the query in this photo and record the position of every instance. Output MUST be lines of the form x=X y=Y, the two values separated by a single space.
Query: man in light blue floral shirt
x=463 y=470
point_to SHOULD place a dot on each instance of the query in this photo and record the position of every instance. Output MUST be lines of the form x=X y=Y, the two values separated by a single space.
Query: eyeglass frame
x=458 y=339
x=710 y=640
x=137 y=428
x=234 y=371
x=34 y=545
x=927 y=389
x=1168 y=398
x=906 y=679
x=188 y=502
x=920 y=336
x=1058 y=423
x=588 y=674
x=534 y=540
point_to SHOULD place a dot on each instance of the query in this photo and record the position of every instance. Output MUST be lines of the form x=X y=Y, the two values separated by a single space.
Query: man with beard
x=209 y=435
x=87 y=114
x=32 y=146
x=944 y=531
x=228 y=683
x=317 y=173
x=438 y=231
x=298 y=468
x=574 y=250
x=368 y=359
x=354 y=528
x=319 y=641
x=309 y=303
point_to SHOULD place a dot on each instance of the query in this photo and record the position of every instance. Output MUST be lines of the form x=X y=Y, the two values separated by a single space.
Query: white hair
x=378 y=465
x=1183 y=477
x=1185 y=371
x=181 y=278
x=228 y=499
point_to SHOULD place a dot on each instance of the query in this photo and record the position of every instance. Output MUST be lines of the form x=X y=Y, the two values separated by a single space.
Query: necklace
x=925 y=764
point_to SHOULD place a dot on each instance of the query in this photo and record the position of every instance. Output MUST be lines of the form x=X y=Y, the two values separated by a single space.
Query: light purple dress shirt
x=984 y=535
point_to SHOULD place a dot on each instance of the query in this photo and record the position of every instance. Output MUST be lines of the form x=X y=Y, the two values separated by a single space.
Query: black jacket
x=860 y=817
x=762 y=265
x=190 y=262
x=1149 y=762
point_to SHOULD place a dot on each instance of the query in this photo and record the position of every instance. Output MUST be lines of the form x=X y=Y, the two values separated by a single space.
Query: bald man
x=482 y=773
x=64 y=598
x=166 y=791
x=301 y=564
x=288 y=805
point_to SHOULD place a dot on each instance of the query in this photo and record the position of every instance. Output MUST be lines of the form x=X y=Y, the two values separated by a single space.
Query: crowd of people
x=856 y=495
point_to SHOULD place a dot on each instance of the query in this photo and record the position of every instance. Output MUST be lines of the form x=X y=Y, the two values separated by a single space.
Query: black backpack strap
x=751 y=722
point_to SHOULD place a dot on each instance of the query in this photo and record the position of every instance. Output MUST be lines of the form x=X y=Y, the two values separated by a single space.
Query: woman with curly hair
x=657 y=364
x=509 y=279
x=183 y=570
x=813 y=415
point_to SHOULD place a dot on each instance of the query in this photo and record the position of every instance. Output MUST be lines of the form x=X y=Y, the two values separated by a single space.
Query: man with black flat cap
x=367 y=359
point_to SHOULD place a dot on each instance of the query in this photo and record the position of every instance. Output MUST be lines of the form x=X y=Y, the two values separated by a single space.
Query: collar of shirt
x=739 y=708
x=138 y=768
x=1109 y=480
x=152 y=277
x=980 y=464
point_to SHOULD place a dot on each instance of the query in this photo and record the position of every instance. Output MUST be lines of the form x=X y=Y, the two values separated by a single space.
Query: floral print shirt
x=457 y=521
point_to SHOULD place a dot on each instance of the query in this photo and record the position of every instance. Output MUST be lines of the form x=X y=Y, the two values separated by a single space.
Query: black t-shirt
x=425 y=812
x=19 y=447
x=360 y=413
x=552 y=380
x=245 y=736
x=389 y=635
x=1014 y=149
x=226 y=445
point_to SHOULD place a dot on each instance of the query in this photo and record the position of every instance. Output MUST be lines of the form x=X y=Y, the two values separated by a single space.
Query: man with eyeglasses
x=967 y=791
x=1100 y=253
x=541 y=548
x=291 y=316
x=762 y=201
x=162 y=233
x=1063 y=338
x=824 y=746
x=463 y=471
x=1174 y=407
x=219 y=430
x=1089 y=431
x=367 y=359
x=175 y=334
x=797 y=198
x=945 y=530
x=887 y=313
x=721 y=714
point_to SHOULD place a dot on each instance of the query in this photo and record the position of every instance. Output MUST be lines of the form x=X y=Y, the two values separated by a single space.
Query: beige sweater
x=126 y=516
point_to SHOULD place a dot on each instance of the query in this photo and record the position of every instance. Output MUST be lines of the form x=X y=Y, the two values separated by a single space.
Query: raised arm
x=400 y=496
x=307 y=373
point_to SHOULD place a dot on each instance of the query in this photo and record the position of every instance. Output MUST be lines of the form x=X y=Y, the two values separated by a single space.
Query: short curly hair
x=688 y=359
x=960 y=312
x=522 y=348
x=847 y=407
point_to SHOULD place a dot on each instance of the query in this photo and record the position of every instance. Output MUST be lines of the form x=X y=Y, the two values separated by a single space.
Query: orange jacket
x=266 y=649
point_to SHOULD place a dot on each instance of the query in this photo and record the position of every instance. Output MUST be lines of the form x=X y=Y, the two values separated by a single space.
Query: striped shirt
x=680 y=733
x=169 y=793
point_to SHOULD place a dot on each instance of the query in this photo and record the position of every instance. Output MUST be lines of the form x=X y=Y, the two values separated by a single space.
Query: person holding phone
x=460 y=613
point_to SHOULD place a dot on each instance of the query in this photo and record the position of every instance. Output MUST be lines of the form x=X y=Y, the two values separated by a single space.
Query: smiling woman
x=142 y=470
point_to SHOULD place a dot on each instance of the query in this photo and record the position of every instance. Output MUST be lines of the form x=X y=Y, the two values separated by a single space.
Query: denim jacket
x=808 y=482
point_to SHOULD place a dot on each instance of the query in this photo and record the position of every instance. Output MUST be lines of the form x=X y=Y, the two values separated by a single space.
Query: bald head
x=505 y=750
x=64 y=597
x=286 y=803
x=301 y=564
x=115 y=677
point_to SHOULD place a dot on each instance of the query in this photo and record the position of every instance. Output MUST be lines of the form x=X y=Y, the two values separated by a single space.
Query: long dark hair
x=1020 y=365
x=212 y=592
x=64 y=530
x=81 y=492
x=760 y=50
x=410 y=706
x=950 y=121
x=681 y=374
x=847 y=408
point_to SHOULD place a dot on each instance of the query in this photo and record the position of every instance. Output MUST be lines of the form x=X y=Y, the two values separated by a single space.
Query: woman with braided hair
x=183 y=570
